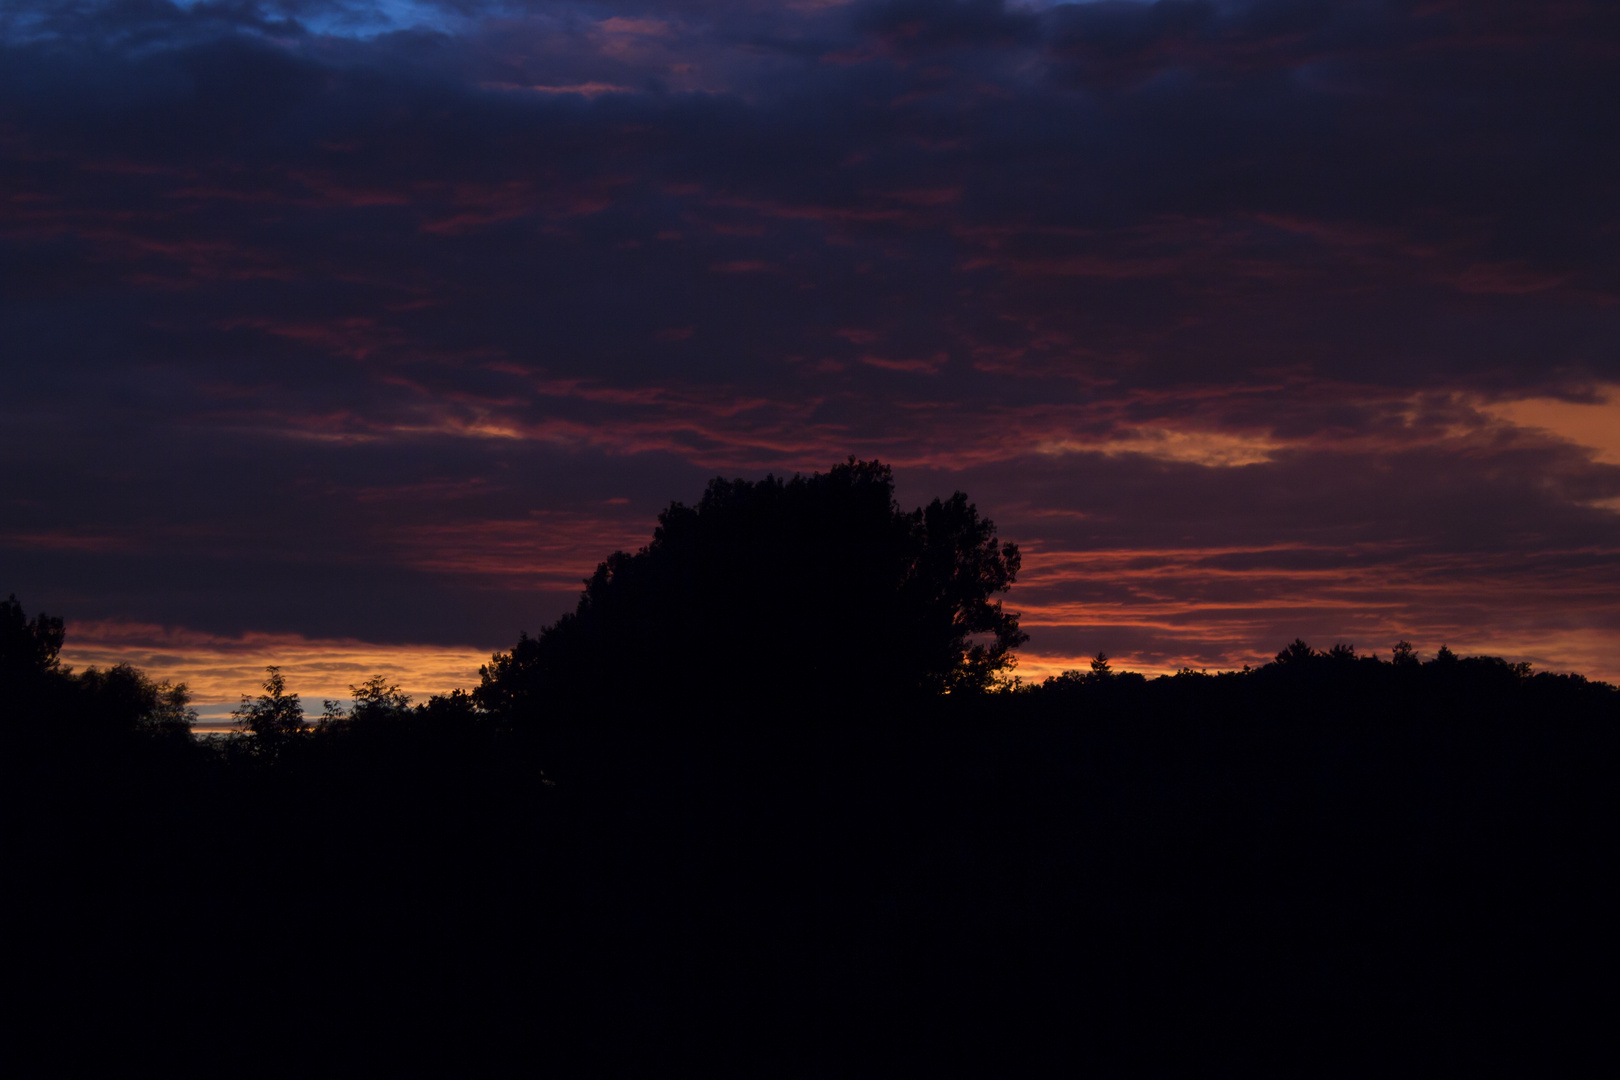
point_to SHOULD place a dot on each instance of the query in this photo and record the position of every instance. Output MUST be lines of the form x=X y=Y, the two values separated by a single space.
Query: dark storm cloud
x=350 y=319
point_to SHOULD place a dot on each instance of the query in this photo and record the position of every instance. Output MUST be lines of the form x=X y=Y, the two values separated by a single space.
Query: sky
x=350 y=336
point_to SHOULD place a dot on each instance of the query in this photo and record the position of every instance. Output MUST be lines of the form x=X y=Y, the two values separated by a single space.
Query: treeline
x=1239 y=870
x=39 y=694
x=1306 y=685
x=815 y=597
x=731 y=860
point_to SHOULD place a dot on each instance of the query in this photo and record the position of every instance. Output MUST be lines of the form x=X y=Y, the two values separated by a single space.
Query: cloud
x=1593 y=424
x=345 y=319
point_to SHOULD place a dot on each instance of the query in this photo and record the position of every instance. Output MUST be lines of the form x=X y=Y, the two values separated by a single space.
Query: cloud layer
x=382 y=322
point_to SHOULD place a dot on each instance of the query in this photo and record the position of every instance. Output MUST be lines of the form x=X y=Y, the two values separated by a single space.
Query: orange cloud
x=1593 y=424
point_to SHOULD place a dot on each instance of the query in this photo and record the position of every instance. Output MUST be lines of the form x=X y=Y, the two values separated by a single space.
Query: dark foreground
x=1022 y=885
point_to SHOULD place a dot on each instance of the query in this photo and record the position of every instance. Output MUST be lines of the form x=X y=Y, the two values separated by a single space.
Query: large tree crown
x=800 y=588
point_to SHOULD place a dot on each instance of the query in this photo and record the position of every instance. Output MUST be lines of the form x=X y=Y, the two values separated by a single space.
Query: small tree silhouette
x=1296 y=652
x=374 y=699
x=28 y=647
x=377 y=698
x=122 y=698
x=274 y=714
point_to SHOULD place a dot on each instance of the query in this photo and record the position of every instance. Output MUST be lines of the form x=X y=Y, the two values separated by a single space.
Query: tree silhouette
x=123 y=698
x=781 y=592
x=1296 y=652
x=379 y=698
x=28 y=647
x=119 y=699
x=273 y=715
x=376 y=699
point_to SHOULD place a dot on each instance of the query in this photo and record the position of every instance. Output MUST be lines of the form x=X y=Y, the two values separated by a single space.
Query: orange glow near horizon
x=1158 y=597
x=219 y=670
x=1222 y=608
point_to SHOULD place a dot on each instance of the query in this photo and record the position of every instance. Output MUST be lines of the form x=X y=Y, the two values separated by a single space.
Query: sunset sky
x=351 y=335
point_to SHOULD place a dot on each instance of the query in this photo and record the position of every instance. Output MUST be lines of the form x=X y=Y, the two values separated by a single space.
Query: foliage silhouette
x=275 y=715
x=797 y=592
x=374 y=701
x=123 y=699
x=1145 y=875
x=1303 y=685
x=118 y=701
x=1295 y=652
x=378 y=698
x=29 y=648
